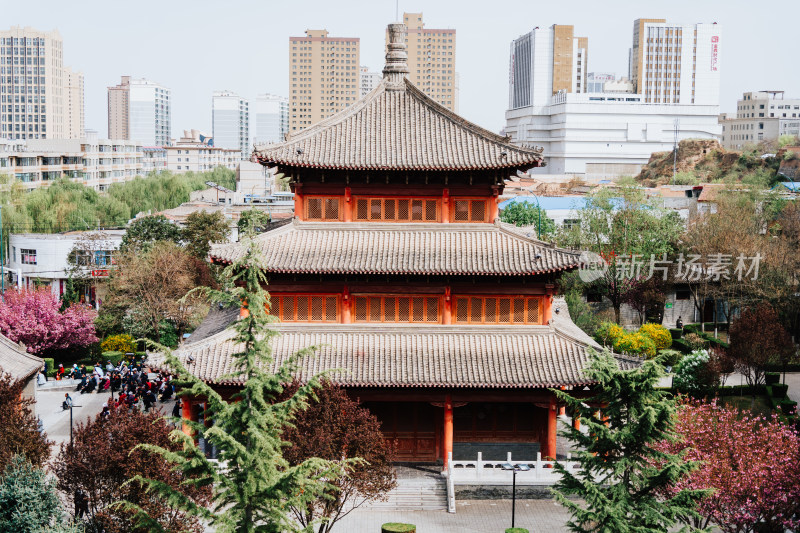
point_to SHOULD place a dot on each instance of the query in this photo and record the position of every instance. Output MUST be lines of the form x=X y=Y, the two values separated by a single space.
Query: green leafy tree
x=202 y=229
x=528 y=214
x=623 y=474
x=254 y=221
x=623 y=227
x=70 y=295
x=254 y=486
x=143 y=232
x=28 y=500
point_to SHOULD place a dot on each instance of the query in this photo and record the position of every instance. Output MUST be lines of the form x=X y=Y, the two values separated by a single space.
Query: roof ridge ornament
x=396 y=68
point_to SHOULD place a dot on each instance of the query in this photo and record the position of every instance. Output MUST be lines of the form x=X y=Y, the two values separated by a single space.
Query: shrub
x=119 y=343
x=695 y=341
x=788 y=407
x=113 y=356
x=608 y=332
x=659 y=334
x=49 y=364
x=692 y=374
x=772 y=378
x=396 y=527
x=779 y=390
x=636 y=343
x=681 y=345
x=670 y=357
x=676 y=333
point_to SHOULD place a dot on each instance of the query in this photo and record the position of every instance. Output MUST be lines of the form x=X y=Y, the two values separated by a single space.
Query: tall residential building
x=36 y=96
x=545 y=62
x=676 y=63
x=760 y=116
x=609 y=130
x=323 y=76
x=230 y=120
x=73 y=91
x=369 y=80
x=140 y=110
x=194 y=153
x=432 y=60
x=272 y=118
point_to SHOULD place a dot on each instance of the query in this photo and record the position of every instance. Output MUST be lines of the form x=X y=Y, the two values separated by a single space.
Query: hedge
x=681 y=346
x=742 y=390
x=516 y=530
x=779 y=390
x=772 y=377
x=676 y=333
x=777 y=367
x=788 y=407
x=397 y=527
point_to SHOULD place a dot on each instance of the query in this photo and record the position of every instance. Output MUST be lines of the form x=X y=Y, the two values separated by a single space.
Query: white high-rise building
x=760 y=116
x=676 y=63
x=272 y=118
x=40 y=98
x=230 y=118
x=612 y=133
x=140 y=110
x=369 y=80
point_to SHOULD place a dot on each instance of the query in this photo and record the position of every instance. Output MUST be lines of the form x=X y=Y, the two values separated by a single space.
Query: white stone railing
x=491 y=472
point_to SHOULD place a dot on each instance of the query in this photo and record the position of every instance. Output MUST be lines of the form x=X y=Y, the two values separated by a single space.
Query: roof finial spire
x=396 y=58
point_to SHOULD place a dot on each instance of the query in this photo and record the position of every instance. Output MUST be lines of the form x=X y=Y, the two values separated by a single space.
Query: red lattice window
x=304 y=307
x=397 y=210
x=497 y=310
x=324 y=208
x=424 y=309
x=469 y=210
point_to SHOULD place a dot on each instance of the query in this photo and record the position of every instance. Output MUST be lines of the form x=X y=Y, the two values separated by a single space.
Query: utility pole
x=677 y=124
x=2 y=260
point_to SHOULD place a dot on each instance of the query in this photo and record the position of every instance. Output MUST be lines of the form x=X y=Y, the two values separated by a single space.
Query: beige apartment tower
x=39 y=97
x=432 y=60
x=324 y=77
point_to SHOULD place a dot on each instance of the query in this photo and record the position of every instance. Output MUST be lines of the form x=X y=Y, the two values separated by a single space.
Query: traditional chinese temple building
x=441 y=317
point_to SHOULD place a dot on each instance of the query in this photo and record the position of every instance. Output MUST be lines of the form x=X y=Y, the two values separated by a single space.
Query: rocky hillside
x=705 y=161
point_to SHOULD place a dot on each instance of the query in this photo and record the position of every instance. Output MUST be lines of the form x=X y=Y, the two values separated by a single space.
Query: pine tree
x=623 y=479
x=28 y=500
x=254 y=487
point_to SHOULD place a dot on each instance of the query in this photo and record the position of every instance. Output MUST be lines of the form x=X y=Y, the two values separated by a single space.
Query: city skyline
x=483 y=39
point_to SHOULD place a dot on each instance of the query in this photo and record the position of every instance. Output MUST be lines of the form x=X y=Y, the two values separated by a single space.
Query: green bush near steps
x=516 y=530
x=397 y=527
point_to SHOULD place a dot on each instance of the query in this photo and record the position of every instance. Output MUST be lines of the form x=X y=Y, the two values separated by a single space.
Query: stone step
x=420 y=495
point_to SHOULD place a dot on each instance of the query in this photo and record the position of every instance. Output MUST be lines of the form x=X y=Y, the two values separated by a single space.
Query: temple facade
x=442 y=319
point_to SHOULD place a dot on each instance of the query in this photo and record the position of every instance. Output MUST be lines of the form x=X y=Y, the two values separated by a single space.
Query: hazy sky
x=196 y=47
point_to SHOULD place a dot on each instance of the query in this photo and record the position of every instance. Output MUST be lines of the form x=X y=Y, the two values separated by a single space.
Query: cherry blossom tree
x=751 y=463
x=34 y=318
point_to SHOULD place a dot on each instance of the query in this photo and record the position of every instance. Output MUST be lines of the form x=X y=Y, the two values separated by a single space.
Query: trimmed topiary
x=771 y=378
x=397 y=527
x=516 y=530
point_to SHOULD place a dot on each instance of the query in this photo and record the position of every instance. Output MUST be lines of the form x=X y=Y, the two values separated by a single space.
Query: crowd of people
x=133 y=384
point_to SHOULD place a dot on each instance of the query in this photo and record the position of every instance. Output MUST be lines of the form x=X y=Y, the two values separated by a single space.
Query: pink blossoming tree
x=751 y=463
x=33 y=318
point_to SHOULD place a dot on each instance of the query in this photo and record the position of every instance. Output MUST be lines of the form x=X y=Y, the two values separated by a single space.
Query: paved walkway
x=472 y=516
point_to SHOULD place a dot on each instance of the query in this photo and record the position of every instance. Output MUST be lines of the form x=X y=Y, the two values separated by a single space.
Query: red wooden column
x=446 y=206
x=346 y=316
x=298 y=202
x=188 y=413
x=348 y=205
x=547 y=309
x=448 y=428
x=494 y=208
x=447 y=309
x=549 y=446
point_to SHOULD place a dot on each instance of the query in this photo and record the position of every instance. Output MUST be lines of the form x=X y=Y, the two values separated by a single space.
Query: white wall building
x=609 y=134
x=192 y=153
x=760 y=116
x=140 y=110
x=230 y=120
x=369 y=80
x=272 y=118
x=96 y=163
x=41 y=259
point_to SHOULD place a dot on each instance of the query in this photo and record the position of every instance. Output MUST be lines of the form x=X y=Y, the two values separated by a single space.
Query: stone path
x=473 y=516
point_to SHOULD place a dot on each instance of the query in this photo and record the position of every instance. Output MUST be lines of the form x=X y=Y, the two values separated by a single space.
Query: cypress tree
x=254 y=487
x=623 y=483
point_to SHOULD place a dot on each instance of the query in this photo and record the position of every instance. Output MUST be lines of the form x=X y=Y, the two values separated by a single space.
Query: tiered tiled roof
x=397 y=127
x=399 y=355
x=14 y=360
x=391 y=248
